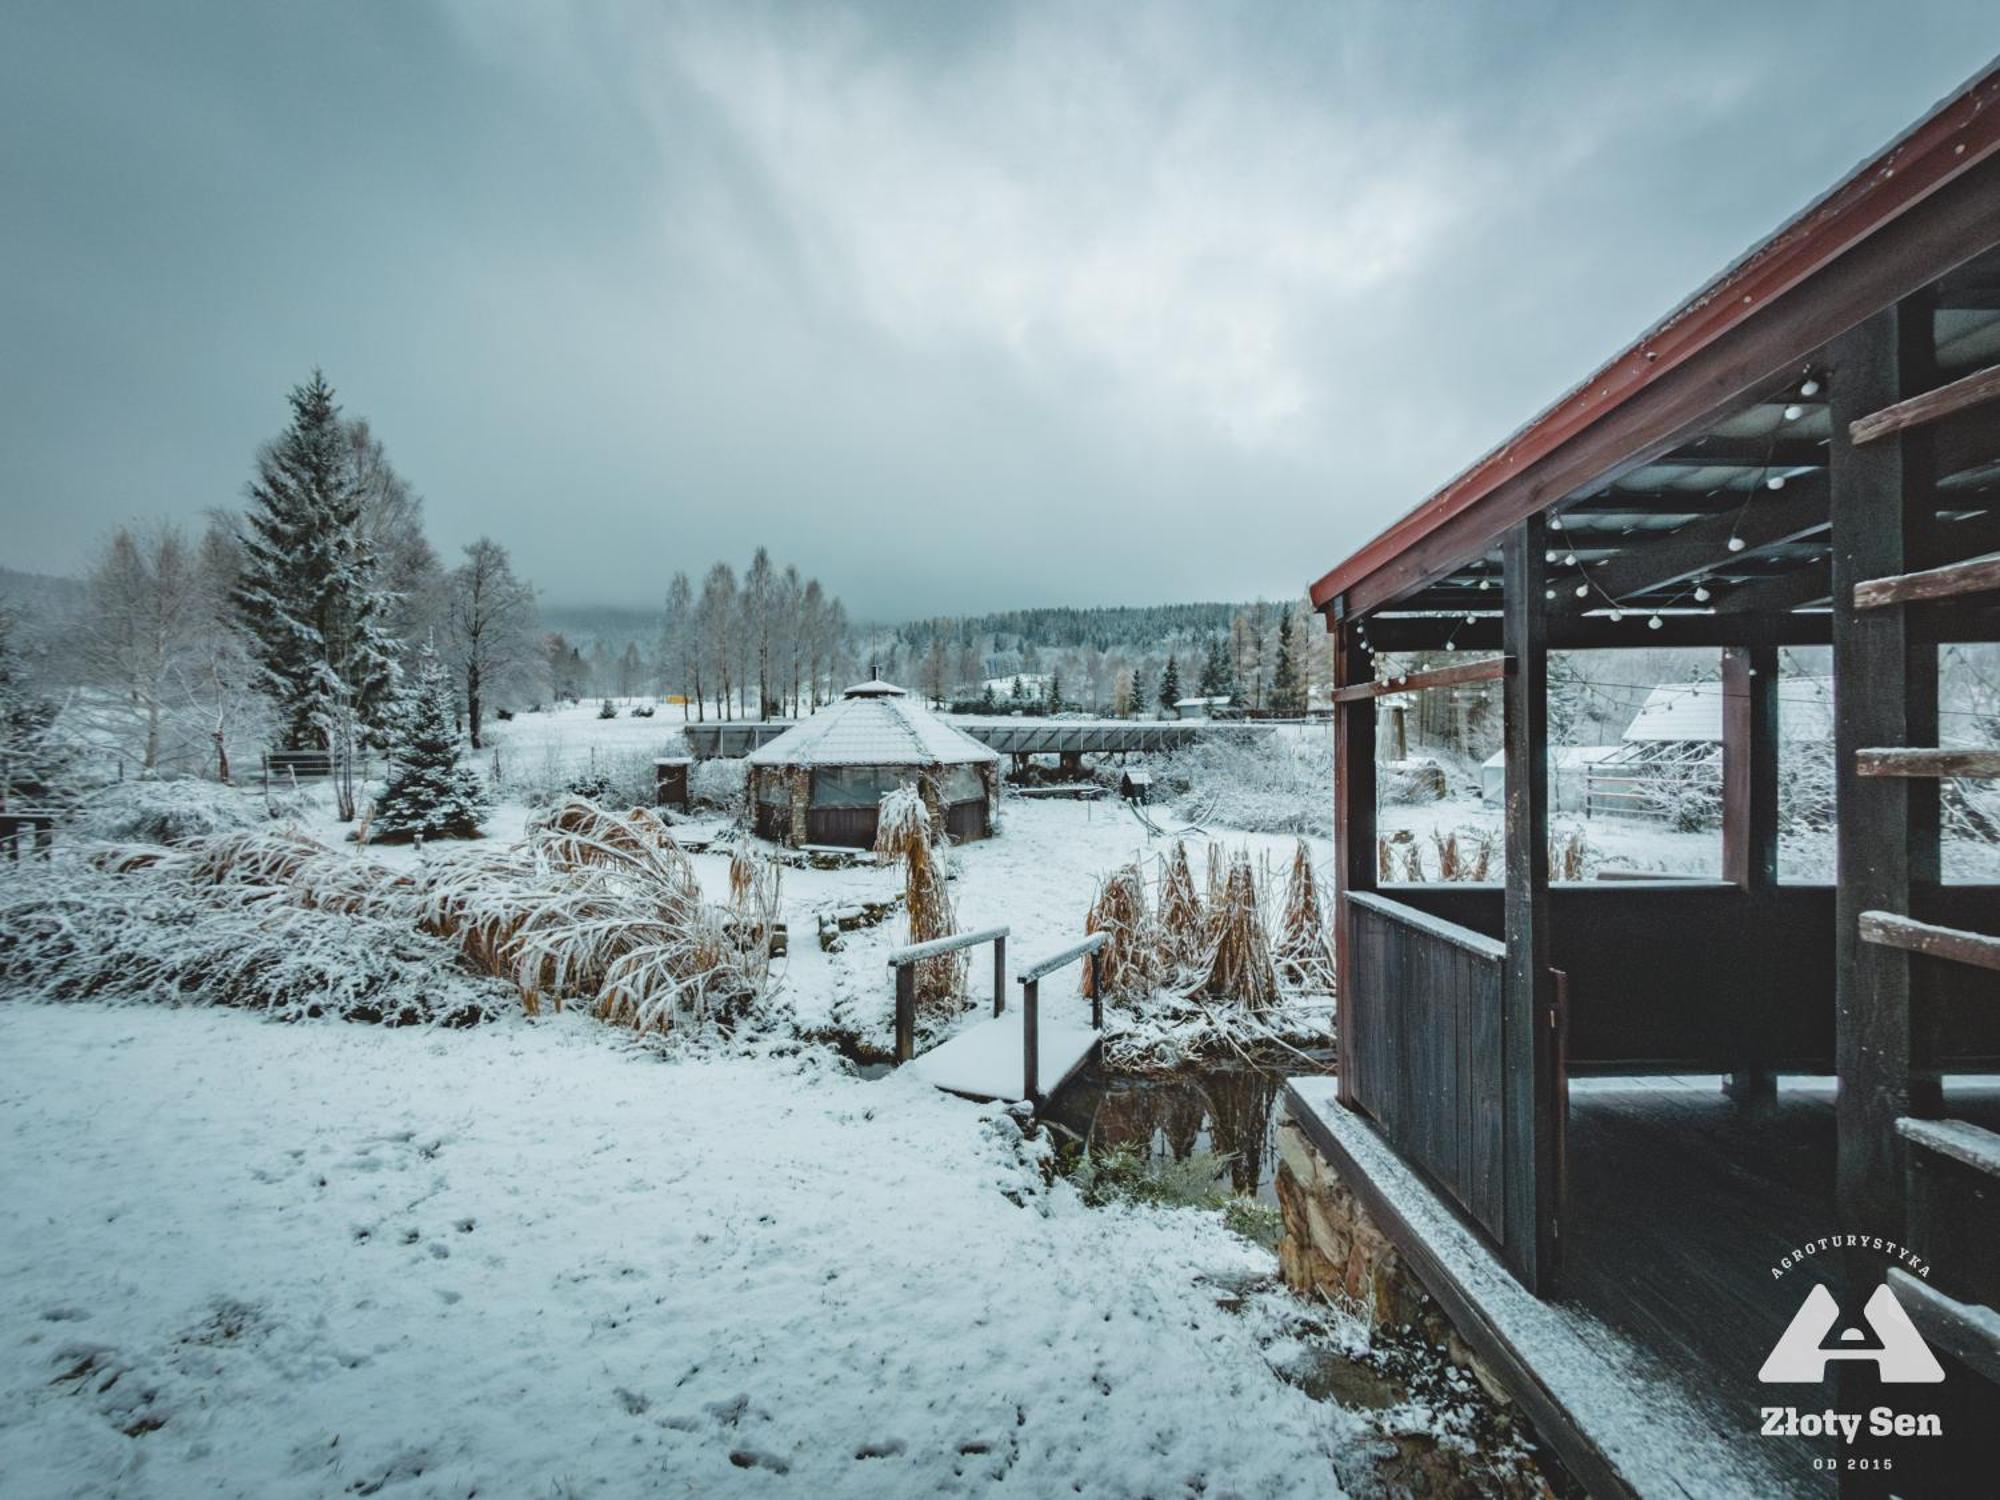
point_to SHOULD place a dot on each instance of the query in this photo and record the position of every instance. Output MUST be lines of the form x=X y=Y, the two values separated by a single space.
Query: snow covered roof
x=874 y=724
x=1691 y=712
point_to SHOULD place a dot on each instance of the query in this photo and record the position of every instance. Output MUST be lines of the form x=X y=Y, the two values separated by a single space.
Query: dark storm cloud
x=957 y=307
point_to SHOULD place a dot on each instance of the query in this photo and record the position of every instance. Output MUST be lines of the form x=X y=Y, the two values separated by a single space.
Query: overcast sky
x=956 y=306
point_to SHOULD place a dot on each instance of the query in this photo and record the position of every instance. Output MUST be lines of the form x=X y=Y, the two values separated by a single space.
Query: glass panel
x=857 y=786
x=963 y=784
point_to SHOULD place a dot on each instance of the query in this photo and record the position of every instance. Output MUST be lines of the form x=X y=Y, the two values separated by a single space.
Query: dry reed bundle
x=1482 y=858
x=1183 y=925
x=903 y=832
x=1241 y=969
x=1413 y=863
x=1131 y=964
x=1449 y=856
x=1305 y=956
x=1385 y=861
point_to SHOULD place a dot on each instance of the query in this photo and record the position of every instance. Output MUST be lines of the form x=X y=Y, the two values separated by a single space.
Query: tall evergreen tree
x=1287 y=691
x=429 y=794
x=34 y=760
x=307 y=596
x=1170 y=684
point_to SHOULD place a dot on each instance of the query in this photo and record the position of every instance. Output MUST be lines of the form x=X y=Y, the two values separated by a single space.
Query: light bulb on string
x=1655 y=623
x=1775 y=482
x=1810 y=388
x=1569 y=560
x=1555 y=523
x=1583 y=591
x=1617 y=615
x=1794 y=412
x=1548 y=593
x=1701 y=594
x=1736 y=544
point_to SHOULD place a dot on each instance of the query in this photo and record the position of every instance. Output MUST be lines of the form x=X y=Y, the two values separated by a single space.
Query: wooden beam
x=1417 y=682
x=1781 y=593
x=1886 y=829
x=1980 y=575
x=1976 y=389
x=1746 y=453
x=1962 y=1330
x=1887 y=929
x=1530 y=1111
x=1354 y=817
x=1750 y=766
x=1763 y=520
x=1924 y=762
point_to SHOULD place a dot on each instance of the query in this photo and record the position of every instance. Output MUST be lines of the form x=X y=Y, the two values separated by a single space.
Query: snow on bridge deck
x=985 y=1060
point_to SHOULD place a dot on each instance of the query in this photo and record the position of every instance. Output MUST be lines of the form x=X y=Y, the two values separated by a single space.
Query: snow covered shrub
x=903 y=833
x=168 y=811
x=605 y=908
x=1275 y=783
x=164 y=933
x=429 y=794
x=718 y=784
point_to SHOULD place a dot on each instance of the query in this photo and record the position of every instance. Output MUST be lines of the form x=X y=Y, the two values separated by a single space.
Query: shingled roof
x=873 y=724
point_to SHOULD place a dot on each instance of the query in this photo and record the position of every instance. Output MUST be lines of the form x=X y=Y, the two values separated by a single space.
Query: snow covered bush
x=904 y=835
x=167 y=811
x=165 y=933
x=1275 y=783
x=719 y=784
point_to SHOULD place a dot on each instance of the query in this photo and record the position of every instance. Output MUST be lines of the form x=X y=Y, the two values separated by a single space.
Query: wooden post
x=1031 y=1036
x=1530 y=1112
x=906 y=1012
x=999 y=975
x=1883 y=509
x=1750 y=808
x=1096 y=989
x=1353 y=829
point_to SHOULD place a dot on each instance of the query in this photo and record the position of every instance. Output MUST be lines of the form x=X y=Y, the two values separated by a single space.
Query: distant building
x=1202 y=708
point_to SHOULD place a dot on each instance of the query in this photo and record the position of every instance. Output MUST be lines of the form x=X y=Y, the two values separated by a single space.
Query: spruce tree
x=1286 y=694
x=1055 y=692
x=307 y=597
x=34 y=759
x=429 y=795
x=1170 y=685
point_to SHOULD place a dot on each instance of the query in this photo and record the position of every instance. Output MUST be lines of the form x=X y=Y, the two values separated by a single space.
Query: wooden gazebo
x=1806 y=452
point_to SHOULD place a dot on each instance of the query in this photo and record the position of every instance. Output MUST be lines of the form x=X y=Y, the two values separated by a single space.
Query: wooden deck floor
x=1681 y=1202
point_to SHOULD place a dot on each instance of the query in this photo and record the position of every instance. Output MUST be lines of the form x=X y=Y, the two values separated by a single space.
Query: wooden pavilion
x=1806 y=452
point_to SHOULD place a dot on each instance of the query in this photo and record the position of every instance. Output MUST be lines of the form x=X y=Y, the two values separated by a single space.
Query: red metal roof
x=1956 y=136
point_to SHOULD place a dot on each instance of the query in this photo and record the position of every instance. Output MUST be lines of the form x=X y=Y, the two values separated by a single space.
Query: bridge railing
x=1030 y=980
x=904 y=961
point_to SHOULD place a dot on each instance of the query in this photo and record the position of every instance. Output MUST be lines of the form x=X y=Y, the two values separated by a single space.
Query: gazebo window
x=857 y=786
x=963 y=784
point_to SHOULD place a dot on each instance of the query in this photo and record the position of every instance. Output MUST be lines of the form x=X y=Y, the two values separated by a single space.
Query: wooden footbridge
x=1070 y=738
x=1010 y=1055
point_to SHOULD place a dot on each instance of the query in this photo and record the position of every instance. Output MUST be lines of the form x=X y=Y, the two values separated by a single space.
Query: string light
x=1570 y=560
x=1736 y=544
x=1583 y=591
x=1617 y=615
x=1548 y=593
x=1794 y=412
x=1810 y=388
x=1655 y=623
x=1555 y=523
x=1775 y=482
x=1701 y=594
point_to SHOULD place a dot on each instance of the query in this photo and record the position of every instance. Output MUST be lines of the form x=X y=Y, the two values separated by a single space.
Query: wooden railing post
x=1096 y=991
x=906 y=1012
x=999 y=975
x=1031 y=1027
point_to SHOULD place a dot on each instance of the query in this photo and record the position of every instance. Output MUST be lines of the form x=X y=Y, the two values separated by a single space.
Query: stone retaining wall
x=1332 y=1247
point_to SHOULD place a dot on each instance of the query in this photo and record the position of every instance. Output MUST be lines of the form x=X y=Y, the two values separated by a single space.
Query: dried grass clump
x=261 y=857
x=605 y=908
x=154 y=934
x=1240 y=968
x=1567 y=854
x=1305 y=952
x=1183 y=924
x=903 y=832
x=1132 y=963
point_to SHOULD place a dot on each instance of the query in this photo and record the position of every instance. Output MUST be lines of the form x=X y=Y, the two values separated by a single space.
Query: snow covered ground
x=534 y=1259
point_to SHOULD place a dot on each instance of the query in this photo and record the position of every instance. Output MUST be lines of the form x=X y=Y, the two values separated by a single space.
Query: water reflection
x=1228 y=1110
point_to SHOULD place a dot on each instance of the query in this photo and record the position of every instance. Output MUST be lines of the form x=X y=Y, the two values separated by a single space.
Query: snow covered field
x=242 y=1258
